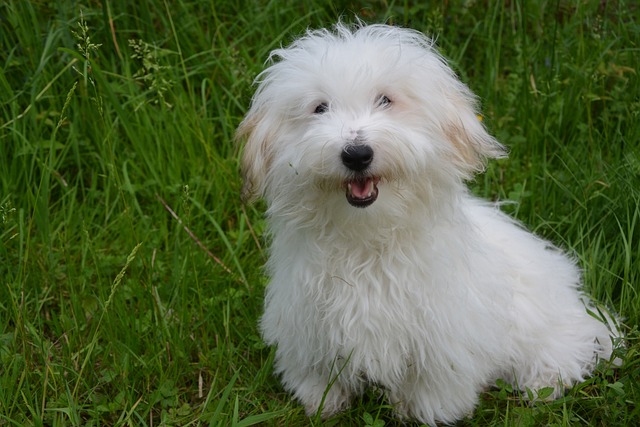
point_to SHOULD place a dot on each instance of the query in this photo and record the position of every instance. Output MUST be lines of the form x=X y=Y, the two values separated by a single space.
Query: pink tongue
x=361 y=188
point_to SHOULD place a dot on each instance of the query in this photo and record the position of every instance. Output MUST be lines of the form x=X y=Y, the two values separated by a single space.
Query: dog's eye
x=383 y=101
x=321 y=108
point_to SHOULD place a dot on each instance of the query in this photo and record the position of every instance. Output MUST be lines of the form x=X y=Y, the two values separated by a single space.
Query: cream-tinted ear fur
x=472 y=143
x=256 y=155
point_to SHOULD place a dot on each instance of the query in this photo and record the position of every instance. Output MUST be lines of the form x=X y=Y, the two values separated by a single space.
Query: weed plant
x=131 y=275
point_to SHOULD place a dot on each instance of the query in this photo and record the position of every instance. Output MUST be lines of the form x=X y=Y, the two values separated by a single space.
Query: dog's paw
x=330 y=402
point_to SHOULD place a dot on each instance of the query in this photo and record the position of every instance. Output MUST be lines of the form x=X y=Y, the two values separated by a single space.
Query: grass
x=130 y=273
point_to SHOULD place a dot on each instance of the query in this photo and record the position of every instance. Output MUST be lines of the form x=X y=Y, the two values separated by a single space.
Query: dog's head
x=344 y=112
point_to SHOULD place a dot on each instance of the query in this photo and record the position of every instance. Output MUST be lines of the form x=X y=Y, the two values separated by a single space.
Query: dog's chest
x=372 y=318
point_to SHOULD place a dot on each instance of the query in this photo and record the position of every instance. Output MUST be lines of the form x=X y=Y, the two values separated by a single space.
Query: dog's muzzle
x=362 y=190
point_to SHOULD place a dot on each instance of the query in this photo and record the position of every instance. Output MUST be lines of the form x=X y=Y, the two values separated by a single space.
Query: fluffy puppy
x=383 y=268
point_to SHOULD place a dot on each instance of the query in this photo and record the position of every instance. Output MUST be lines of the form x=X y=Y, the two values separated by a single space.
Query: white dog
x=383 y=268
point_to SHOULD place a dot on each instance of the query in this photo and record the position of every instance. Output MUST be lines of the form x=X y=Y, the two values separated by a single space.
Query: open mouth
x=362 y=191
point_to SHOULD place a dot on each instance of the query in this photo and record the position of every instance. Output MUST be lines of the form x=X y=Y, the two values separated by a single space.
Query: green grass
x=130 y=273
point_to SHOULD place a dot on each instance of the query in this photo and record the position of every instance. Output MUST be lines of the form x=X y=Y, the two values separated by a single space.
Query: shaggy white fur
x=384 y=269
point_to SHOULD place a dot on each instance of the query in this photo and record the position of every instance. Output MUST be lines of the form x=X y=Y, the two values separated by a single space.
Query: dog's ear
x=471 y=142
x=256 y=155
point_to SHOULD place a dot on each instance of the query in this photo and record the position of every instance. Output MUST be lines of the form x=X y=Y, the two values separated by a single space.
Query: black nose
x=357 y=157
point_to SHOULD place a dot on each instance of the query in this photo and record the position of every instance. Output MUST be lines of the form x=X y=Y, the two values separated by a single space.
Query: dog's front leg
x=317 y=391
x=433 y=402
